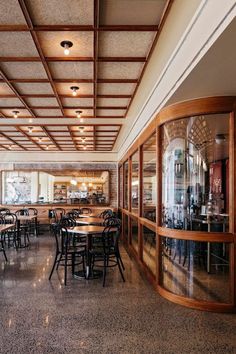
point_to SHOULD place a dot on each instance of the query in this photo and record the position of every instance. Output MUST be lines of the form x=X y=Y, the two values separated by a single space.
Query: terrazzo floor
x=38 y=316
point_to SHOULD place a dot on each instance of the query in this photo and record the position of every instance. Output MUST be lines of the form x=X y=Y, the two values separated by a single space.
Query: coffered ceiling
x=112 y=42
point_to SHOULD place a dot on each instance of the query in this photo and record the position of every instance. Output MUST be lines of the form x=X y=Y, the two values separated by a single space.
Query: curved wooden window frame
x=196 y=107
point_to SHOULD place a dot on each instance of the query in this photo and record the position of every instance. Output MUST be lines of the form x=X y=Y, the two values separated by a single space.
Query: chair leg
x=53 y=267
x=73 y=264
x=65 y=272
x=120 y=269
x=58 y=262
x=104 y=270
x=121 y=262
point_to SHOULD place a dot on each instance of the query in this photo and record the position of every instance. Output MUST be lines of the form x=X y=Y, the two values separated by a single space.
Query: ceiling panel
x=133 y=12
x=119 y=70
x=71 y=70
x=82 y=43
x=117 y=44
x=61 y=12
x=111 y=46
x=34 y=88
x=25 y=70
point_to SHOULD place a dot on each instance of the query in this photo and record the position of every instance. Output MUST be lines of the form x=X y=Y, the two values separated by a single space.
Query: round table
x=90 y=221
x=88 y=231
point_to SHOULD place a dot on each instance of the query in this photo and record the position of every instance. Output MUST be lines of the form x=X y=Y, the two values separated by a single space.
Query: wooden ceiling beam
x=5 y=79
x=72 y=137
x=100 y=81
x=28 y=137
x=64 y=96
x=13 y=141
x=65 y=107
x=72 y=59
x=51 y=137
x=39 y=49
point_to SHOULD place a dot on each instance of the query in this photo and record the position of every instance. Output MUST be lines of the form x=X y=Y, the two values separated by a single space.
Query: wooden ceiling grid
x=107 y=62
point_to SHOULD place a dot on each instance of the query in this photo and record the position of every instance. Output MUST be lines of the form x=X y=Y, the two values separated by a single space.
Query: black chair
x=105 y=213
x=4 y=211
x=107 y=251
x=23 y=228
x=66 y=251
x=58 y=213
x=115 y=222
x=34 y=224
x=2 y=240
x=11 y=236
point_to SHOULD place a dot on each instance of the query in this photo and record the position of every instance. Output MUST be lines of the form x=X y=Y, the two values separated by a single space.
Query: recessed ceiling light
x=74 y=90
x=47 y=147
x=30 y=120
x=85 y=147
x=15 y=114
x=9 y=147
x=78 y=113
x=66 y=45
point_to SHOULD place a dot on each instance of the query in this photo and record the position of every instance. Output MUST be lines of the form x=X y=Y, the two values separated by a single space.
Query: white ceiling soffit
x=197 y=26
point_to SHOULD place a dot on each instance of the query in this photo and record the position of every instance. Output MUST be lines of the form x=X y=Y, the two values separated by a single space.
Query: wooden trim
x=196 y=304
x=196 y=235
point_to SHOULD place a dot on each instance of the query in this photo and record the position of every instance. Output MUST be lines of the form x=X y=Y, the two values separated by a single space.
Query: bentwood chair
x=86 y=211
x=67 y=251
x=11 y=236
x=2 y=241
x=107 y=252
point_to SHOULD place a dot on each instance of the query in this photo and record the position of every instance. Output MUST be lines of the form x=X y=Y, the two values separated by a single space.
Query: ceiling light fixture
x=66 y=45
x=85 y=147
x=40 y=140
x=47 y=147
x=220 y=138
x=30 y=120
x=9 y=147
x=15 y=114
x=74 y=90
x=78 y=113
x=81 y=129
x=30 y=129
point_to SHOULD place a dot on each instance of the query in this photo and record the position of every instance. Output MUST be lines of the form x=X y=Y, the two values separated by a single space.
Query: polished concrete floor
x=38 y=316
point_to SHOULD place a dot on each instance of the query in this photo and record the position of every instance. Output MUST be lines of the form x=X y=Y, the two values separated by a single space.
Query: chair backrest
x=67 y=221
x=106 y=213
x=58 y=213
x=21 y=212
x=10 y=218
x=110 y=239
x=32 y=211
x=2 y=220
x=4 y=211
x=62 y=238
x=113 y=222
x=86 y=210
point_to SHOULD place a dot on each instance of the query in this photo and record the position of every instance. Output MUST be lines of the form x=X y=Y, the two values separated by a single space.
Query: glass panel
x=149 y=249
x=126 y=177
x=199 y=270
x=135 y=183
x=195 y=183
x=120 y=186
x=126 y=229
x=134 y=234
x=149 y=179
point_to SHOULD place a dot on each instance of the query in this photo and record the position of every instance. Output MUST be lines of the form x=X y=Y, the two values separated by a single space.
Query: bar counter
x=43 y=208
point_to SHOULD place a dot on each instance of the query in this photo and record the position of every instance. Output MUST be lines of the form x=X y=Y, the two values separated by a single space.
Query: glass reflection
x=195 y=175
x=149 y=249
x=126 y=229
x=134 y=234
x=199 y=270
x=126 y=179
x=135 y=183
x=149 y=178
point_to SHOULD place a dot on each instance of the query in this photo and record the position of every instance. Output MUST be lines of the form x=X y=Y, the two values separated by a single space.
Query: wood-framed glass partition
x=180 y=214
